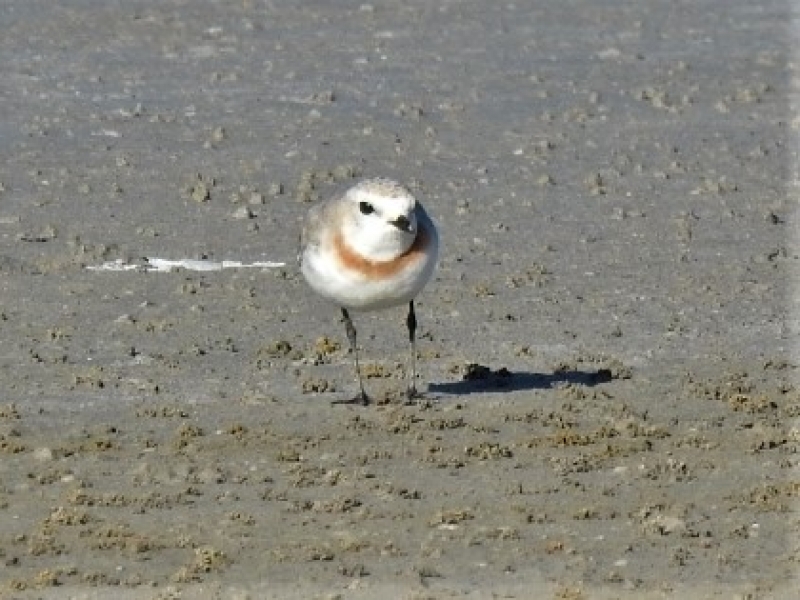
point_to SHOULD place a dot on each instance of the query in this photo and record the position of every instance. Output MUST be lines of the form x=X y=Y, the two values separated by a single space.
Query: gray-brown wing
x=312 y=224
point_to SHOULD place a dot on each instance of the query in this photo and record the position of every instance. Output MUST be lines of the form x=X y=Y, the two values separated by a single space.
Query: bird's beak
x=402 y=223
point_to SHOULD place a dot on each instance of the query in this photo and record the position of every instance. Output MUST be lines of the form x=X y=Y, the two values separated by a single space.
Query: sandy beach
x=607 y=346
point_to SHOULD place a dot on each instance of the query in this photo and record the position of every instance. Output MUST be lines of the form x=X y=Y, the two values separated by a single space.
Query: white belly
x=353 y=291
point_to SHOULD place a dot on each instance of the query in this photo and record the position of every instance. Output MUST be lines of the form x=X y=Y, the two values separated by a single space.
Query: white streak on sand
x=163 y=265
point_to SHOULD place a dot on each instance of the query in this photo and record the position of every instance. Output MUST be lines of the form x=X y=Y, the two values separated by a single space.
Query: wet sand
x=612 y=398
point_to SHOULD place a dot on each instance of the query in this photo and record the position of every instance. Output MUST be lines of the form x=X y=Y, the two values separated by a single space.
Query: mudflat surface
x=612 y=398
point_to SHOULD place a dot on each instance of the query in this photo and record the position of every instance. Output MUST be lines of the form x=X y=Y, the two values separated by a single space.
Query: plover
x=369 y=248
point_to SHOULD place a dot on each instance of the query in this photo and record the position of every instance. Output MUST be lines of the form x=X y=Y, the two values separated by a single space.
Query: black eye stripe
x=366 y=208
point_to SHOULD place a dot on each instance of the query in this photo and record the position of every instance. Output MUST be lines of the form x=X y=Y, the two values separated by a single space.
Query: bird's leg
x=411 y=323
x=362 y=397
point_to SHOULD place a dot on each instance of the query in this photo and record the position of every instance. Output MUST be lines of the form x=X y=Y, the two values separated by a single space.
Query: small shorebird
x=370 y=248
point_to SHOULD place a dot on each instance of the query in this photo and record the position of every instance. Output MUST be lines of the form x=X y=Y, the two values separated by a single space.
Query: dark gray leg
x=411 y=323
x=362 y=397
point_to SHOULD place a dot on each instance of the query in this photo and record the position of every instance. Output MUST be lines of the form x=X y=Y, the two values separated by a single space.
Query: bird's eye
x=366 y=208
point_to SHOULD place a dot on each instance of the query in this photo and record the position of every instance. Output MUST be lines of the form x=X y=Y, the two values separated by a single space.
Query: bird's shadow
x=478 y=379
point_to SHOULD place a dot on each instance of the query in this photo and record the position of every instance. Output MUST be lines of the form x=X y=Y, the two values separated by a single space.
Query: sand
x=607 y=348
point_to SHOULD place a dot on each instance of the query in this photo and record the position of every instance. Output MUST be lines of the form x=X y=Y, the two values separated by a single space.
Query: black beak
x=402 y=223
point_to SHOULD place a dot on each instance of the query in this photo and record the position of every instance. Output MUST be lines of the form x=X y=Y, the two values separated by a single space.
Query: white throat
x=379 y=241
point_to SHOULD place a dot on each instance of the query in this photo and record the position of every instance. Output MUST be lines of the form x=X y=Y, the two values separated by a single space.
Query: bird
x=371 y=247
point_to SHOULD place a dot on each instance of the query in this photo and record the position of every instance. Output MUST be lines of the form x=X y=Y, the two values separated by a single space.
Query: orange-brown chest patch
x=380 y=269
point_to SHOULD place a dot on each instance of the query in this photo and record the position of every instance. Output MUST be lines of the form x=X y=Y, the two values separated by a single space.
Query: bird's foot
x=360 y=399
x=413 y=396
